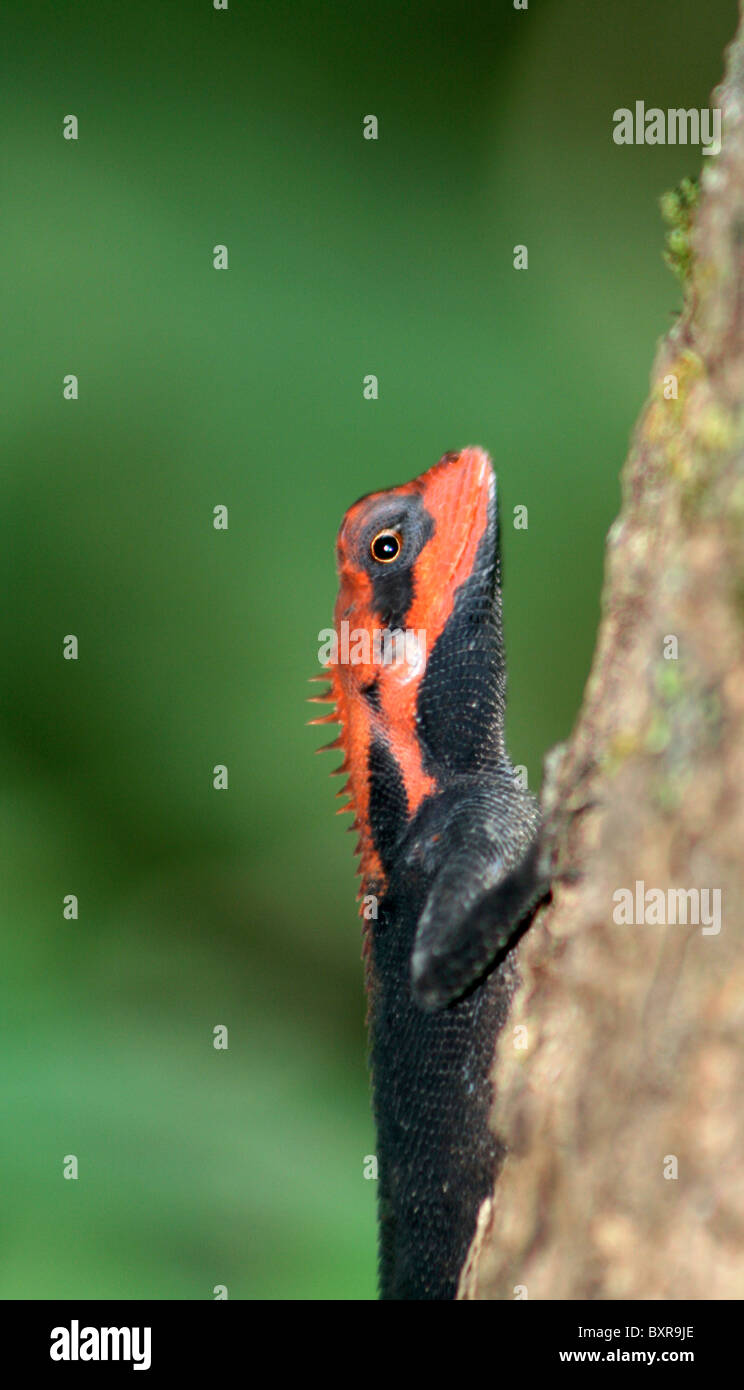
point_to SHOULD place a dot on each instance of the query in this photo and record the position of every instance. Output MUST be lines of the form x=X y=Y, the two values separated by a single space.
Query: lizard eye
x=386 y=546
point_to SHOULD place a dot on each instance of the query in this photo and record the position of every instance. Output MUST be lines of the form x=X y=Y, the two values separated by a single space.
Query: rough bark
x=635 y=1033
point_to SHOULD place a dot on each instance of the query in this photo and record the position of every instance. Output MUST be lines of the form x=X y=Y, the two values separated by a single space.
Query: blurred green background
x=197 y=387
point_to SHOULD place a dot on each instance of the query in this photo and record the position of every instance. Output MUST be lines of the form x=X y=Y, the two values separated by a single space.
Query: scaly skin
x=448 y=846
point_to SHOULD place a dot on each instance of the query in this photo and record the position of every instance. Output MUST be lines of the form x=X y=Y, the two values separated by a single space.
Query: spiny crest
x=331 y=696
x=334 y=695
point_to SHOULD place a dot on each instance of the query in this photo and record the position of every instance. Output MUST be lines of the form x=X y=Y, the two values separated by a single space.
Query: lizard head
x=403 y=556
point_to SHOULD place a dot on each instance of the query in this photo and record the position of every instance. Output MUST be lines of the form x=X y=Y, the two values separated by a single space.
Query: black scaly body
x=458 y=877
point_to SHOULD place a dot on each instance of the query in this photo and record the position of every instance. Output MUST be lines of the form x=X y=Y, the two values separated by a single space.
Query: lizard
x=449 y=847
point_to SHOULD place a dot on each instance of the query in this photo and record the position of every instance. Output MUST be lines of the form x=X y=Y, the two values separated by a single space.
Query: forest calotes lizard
x=448 y=845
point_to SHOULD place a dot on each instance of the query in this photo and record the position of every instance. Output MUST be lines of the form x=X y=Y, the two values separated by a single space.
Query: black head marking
x=393 y=582
x=371 y=694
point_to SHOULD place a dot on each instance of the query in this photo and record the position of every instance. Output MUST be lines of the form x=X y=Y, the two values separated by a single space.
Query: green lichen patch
x=678 y=207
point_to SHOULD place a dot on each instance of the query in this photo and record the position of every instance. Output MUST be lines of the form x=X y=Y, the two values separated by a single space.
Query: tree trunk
x=619 y=1077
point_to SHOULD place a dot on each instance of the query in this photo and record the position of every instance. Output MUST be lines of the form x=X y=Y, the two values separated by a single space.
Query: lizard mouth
x=460 y=493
